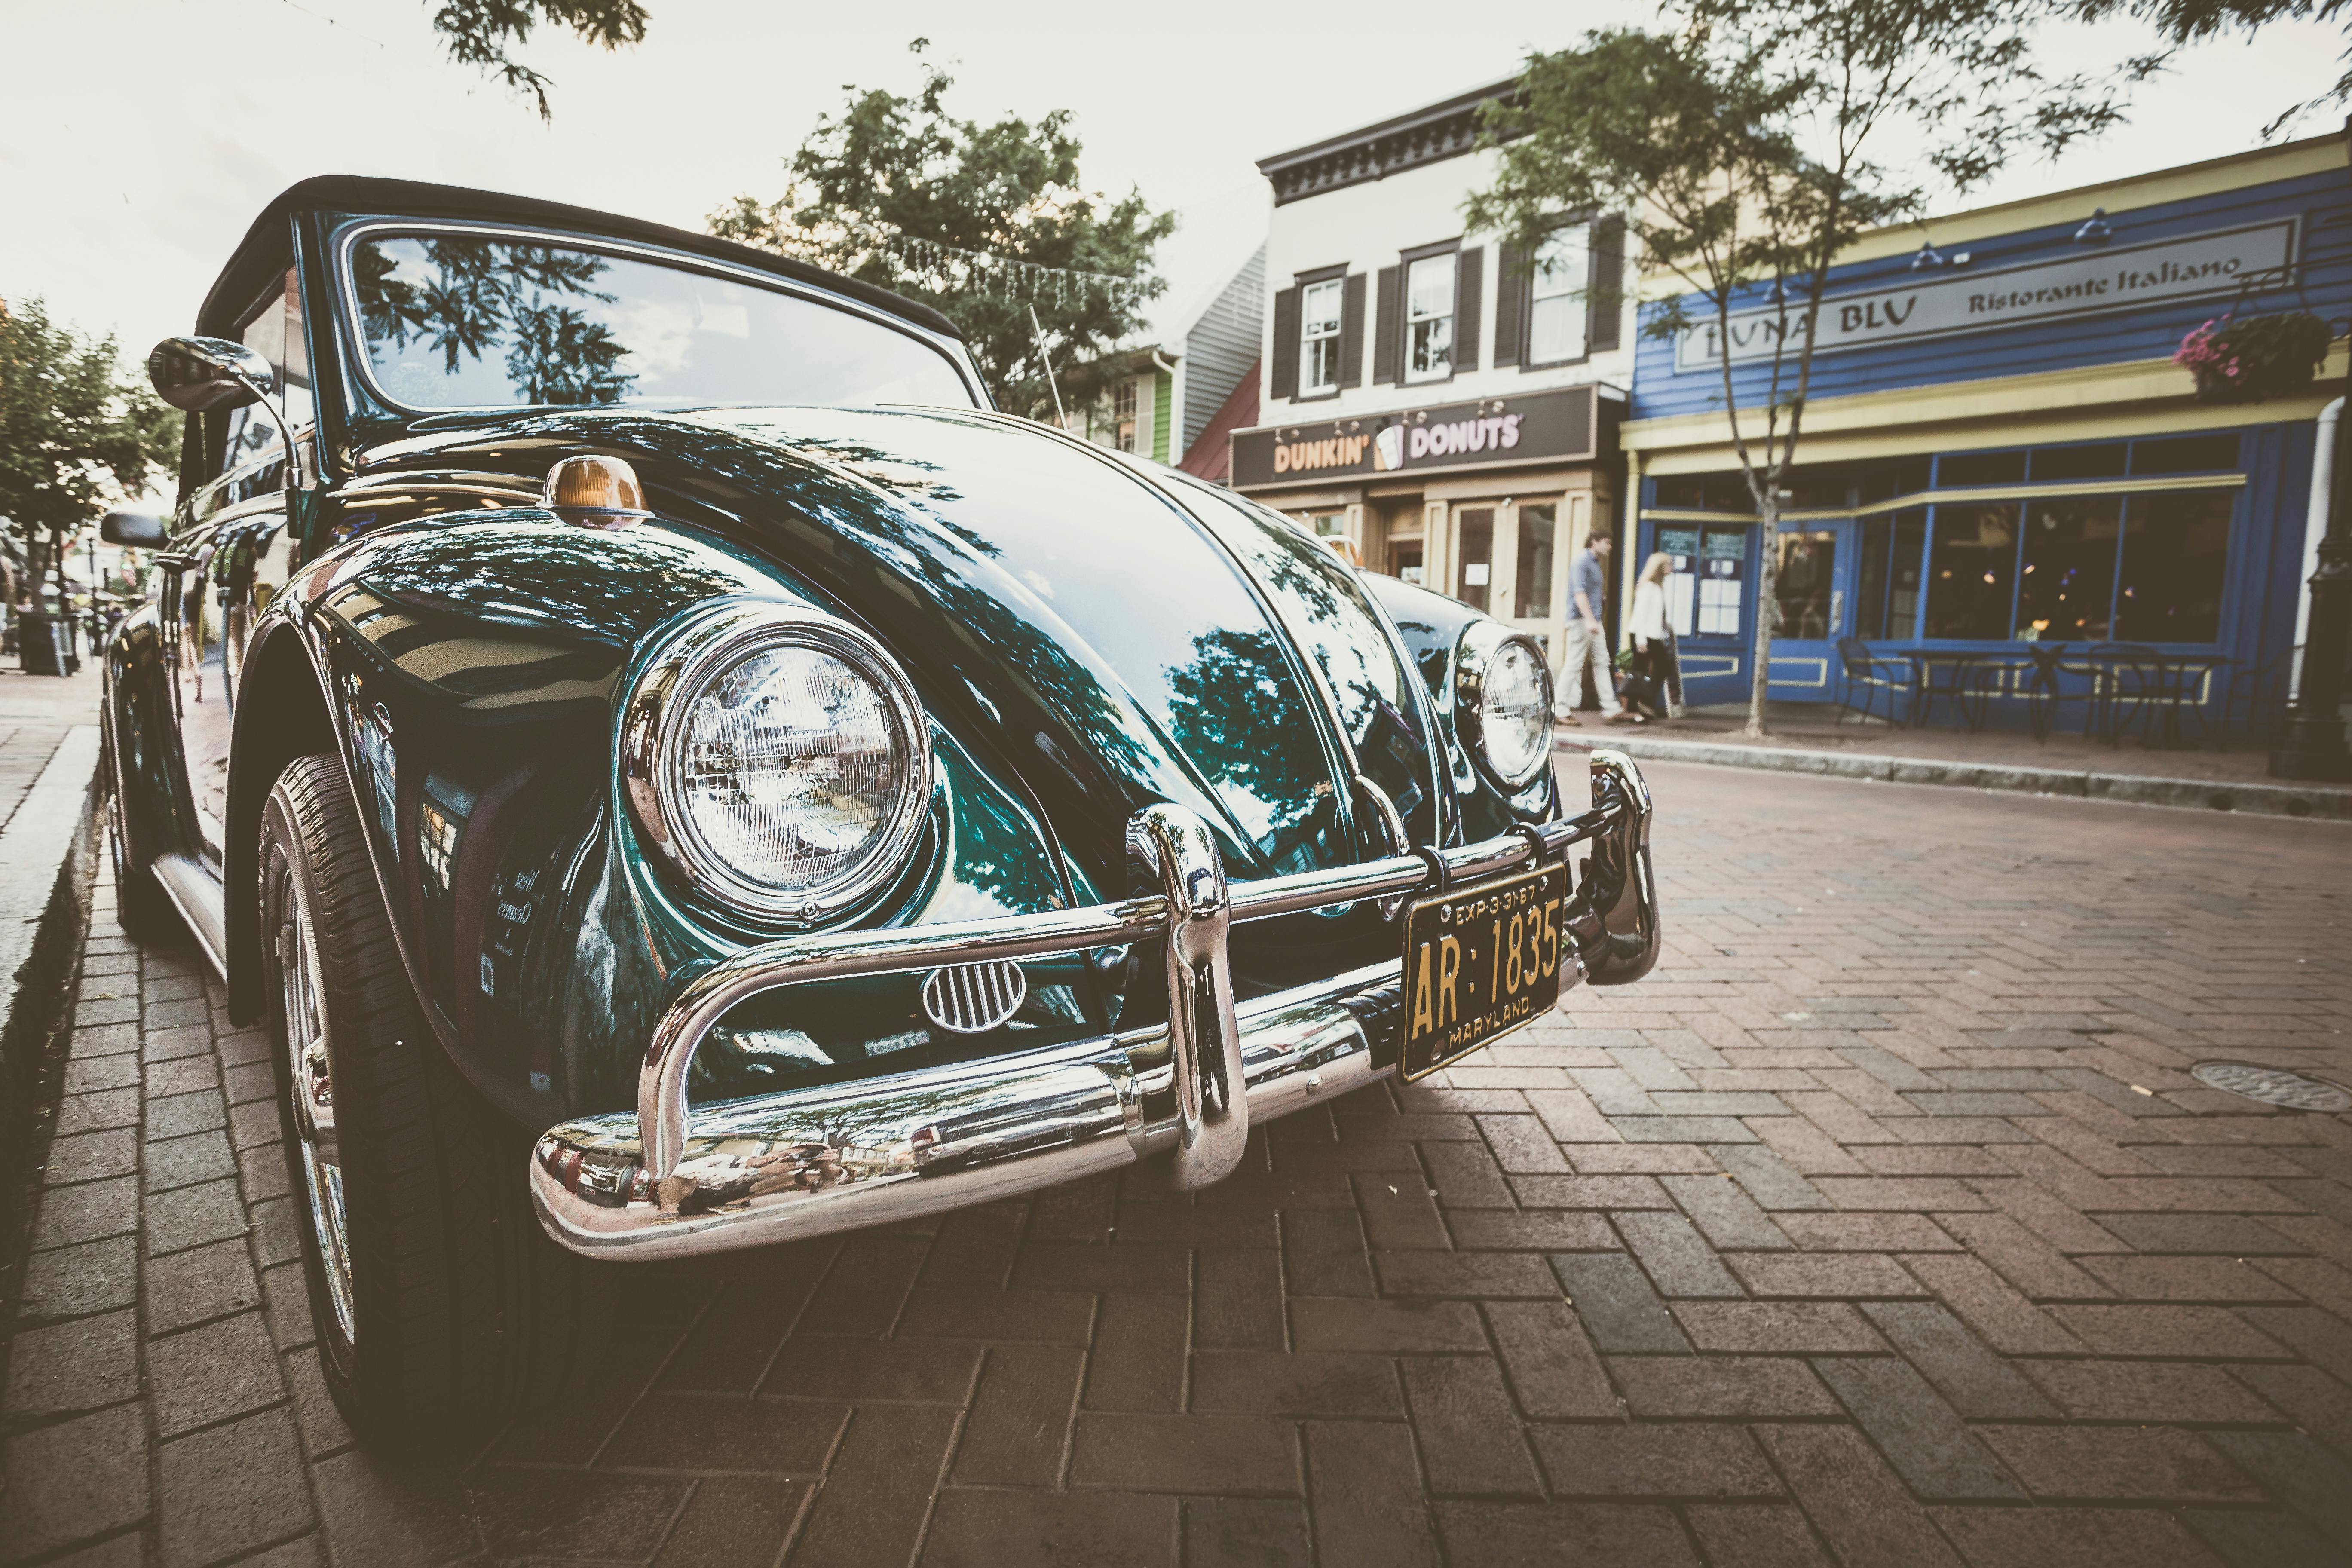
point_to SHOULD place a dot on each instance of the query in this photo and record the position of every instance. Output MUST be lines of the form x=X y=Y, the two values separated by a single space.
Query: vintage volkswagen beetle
x=657 y=751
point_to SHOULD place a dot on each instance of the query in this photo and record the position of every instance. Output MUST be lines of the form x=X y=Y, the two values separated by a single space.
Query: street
x=1883 y=1224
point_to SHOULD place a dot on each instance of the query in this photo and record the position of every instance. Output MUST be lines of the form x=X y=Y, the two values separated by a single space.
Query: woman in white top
x=1652 y=657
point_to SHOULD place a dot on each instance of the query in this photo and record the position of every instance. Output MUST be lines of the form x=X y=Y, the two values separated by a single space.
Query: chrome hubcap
x=314 y=1098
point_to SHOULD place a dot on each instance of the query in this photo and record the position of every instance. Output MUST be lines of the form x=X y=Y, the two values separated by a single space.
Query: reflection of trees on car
x=485 y=292
x=1220 y=699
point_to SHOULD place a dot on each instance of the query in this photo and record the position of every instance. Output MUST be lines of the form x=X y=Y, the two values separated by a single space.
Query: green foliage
x=480 y=33
x=1743 y=142
x=890 y=170
x=76 y=432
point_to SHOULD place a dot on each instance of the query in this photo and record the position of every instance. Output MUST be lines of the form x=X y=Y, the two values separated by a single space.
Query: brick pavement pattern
x=1883 y=1225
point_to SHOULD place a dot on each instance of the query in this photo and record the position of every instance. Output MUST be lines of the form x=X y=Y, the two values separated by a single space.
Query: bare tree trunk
x=1767 y=562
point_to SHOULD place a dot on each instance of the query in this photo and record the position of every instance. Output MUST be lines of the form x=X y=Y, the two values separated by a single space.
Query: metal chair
x=1858 y=667
x=2045 y=688
x=2131 y=683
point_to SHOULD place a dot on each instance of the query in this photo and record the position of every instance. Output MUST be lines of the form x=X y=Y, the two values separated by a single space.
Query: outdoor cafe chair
x=1871 y=675
x=2131 y=684
x=2046 y=686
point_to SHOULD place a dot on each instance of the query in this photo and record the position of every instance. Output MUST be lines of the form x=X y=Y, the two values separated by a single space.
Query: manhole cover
x=2274 y=1086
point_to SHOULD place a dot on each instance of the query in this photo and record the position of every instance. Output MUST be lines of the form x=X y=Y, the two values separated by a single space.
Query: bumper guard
x=803 y=1162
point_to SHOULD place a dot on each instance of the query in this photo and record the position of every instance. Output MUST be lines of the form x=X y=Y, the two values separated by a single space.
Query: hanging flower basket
x=2245 y=359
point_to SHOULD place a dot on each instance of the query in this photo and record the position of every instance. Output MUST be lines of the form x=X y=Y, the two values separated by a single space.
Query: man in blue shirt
x=1588 y=634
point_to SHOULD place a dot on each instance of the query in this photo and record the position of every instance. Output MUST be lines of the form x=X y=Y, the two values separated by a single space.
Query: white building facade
x=1445 y=404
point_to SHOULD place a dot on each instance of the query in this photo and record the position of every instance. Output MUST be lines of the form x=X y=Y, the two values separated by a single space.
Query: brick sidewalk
x=1883 y=1225
x=35 y=713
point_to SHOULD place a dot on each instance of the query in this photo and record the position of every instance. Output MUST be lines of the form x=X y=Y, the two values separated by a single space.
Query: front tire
x=439 y=1305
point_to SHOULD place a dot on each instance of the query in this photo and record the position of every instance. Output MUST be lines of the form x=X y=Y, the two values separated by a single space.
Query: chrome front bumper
x=664 y=1183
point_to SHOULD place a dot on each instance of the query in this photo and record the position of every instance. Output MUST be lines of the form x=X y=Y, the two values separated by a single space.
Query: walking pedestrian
x=1655 y=676
x=1588 y=636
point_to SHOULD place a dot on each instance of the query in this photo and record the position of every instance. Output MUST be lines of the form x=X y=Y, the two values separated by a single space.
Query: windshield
x=462 y=322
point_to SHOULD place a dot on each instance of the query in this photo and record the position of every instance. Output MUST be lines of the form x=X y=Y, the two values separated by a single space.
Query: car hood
x=1058 y=608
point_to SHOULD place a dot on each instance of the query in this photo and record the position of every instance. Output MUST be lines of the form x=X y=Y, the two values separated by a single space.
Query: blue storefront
x=1999 y=454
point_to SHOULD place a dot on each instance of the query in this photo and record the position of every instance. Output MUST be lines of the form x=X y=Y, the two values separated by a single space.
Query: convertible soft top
x=262 y=251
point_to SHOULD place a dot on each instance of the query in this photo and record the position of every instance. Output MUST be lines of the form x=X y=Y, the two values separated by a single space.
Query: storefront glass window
x=1803 y=584
x=2185 y=454
x=1556 y=304
x=1972 y=571
x=1903 y=596
x=1723 y=567
x=1876 y=534
x=1703 y=493
x=1534 y=582
x=1318 y=347
x=1429 y=319
x=1474 y=575
x=2103 y=461
x=1680 y=546
x=2176 y=559
x=2066 y=581
x=1979 y=468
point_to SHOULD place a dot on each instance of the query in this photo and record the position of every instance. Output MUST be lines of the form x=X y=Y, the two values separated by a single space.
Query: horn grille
x=973 y=998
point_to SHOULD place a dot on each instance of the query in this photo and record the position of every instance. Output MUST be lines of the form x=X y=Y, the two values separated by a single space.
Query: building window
x=1320 y=308
x=1122 y=415
x=1802 y=584
x=1537 y=525
x=2076 y=569
x=1971 y=570
x=1556 y=309
x=1474 y=575
x=1429 y=319
x=2176 y=557
x=2066 y=580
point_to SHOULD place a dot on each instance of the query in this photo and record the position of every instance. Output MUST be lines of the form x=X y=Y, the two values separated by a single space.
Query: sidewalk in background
x=1806 y=738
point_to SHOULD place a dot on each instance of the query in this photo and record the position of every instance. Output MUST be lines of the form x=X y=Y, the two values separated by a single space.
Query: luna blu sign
x=2124 y=278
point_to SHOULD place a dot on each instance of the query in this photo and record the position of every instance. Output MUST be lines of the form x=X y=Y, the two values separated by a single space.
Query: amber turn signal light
x=604 y=488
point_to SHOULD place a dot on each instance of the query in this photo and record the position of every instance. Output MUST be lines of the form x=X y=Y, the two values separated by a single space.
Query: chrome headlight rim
x=714 y=640
x=1473 y=657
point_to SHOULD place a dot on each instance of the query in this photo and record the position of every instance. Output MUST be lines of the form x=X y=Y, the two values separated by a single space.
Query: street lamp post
x=2312 y=746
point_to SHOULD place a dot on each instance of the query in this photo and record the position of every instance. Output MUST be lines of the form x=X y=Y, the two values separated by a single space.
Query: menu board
x=1723 y=562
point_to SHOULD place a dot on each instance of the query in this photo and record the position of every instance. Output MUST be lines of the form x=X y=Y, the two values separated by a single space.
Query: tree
x=480 y=33
x=983 y=222
x=77 y=433
x=1744 y=145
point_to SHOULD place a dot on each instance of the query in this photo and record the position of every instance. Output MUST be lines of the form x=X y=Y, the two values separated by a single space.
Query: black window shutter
x=1607 y=299
x=1469 y=293
x=1385 y=330
x=1510 y=303
x=1285 y=345
x=1351 y=332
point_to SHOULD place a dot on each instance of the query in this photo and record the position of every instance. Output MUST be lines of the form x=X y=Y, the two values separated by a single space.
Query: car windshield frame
x=352 y=332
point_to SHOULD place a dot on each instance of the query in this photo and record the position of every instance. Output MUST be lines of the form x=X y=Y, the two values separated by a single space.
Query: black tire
x=461 y=1310
x=141 y=906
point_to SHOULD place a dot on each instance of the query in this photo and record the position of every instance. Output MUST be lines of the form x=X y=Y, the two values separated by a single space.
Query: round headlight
x=779 y=758
x=1501 y=704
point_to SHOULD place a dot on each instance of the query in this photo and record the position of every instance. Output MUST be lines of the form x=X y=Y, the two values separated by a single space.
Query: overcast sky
x=139 y=137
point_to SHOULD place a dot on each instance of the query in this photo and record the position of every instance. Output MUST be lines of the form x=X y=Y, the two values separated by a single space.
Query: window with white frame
x=1122 y=415
x=1318 y=337
x=1429 y=319
x=1556 y=306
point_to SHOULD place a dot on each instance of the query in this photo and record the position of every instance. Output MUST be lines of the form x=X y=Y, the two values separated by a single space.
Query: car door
x=212 y=589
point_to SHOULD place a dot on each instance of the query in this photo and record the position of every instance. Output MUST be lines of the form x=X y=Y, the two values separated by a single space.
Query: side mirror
x=200 y=374
x=136 y=529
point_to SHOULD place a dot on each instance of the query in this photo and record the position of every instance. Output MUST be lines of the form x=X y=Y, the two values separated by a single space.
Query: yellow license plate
x=1480 y=962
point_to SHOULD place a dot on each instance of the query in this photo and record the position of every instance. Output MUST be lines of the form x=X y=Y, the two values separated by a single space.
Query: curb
x=2201 y=794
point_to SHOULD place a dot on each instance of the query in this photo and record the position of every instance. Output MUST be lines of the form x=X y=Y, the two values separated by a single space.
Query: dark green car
x=672 y=769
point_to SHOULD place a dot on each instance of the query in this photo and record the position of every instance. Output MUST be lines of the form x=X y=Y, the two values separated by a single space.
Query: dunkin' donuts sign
x=1545 y=426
